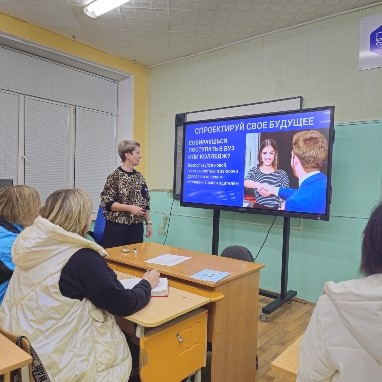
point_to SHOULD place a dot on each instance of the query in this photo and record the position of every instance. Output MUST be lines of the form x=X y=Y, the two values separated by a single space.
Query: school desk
x=232 y=320
x=172 y=334
x=11 y=357
x=287 y=362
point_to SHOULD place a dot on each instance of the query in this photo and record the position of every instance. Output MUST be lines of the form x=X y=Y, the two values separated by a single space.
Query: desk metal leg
x=198 y=376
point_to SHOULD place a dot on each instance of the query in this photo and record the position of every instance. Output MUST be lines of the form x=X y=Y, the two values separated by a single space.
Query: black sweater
x=86 y=275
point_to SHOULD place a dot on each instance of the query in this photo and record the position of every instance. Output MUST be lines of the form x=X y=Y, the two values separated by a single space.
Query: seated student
x=63 y=296
x=19 y=206
x=343 y=341
x=309 y=152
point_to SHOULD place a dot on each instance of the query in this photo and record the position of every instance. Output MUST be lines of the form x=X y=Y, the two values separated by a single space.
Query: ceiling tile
x=156 y=31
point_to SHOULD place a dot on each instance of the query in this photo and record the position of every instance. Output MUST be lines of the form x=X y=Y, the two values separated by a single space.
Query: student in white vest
x=64 y=297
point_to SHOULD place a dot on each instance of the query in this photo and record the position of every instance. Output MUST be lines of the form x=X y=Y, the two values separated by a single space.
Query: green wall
x=319 y=251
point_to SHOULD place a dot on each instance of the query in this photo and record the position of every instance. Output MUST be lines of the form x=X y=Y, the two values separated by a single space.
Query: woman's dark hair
x=371 y=260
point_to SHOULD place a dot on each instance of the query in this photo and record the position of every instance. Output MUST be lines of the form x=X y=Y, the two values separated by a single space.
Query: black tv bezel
x=290 y=214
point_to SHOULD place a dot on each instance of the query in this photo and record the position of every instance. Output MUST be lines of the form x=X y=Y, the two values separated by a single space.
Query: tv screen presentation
x=273 y=164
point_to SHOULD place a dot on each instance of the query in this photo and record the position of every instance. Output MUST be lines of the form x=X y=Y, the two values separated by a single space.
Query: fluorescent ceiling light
x=99 y=7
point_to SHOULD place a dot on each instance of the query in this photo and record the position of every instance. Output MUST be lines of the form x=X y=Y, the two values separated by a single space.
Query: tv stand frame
x=285 y=295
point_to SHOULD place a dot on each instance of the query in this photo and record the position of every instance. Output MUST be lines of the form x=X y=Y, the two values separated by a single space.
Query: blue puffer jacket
x=6 y=241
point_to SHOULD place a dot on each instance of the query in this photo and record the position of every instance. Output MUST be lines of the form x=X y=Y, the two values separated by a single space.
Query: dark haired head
x=263 y=145
x=371 y=260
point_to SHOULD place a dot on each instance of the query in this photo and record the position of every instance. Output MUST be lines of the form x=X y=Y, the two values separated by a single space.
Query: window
x=57 y=125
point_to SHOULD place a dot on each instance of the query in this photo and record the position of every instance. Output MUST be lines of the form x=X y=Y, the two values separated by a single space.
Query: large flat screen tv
x=273 y=164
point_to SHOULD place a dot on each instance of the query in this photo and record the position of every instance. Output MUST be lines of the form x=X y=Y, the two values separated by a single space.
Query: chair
x=239 y=252
x=26 y=371
x=99 y=227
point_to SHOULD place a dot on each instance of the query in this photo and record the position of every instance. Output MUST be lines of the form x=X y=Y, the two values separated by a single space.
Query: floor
x=282 y=328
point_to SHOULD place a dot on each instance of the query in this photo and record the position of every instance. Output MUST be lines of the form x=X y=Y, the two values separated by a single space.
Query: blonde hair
x=19 y=204
x=126 y=147
x=68 y=208
x=311 y=148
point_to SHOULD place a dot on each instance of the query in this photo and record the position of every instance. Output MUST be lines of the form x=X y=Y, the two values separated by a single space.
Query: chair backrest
x=99 y=226
x=6 y=182
x=26 y=371
x=237 y=252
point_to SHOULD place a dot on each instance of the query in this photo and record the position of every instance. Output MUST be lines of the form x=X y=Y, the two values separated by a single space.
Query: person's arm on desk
x=86 y=275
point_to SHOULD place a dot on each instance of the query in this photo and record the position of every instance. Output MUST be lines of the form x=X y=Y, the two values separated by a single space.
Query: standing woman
x=268 y=173
x=126 y=200
x=19 y=206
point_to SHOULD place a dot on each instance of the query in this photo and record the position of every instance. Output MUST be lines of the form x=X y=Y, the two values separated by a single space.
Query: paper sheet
x=160 y=290
x=169 y=260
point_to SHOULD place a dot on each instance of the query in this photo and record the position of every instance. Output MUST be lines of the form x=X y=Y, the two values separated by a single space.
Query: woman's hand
x=267 y=190
x=152 y=277
x=135 y=210
x=252 y=184
x=149 y=230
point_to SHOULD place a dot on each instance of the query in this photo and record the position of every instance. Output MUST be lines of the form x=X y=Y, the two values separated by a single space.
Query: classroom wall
x=318 y=61
x=30 y=32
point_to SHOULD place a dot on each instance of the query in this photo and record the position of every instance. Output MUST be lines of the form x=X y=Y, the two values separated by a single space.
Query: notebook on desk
x=160 y=290
x=210 y=275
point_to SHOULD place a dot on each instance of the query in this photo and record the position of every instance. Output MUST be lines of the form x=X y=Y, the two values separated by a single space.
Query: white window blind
x=48 y=146
x=38 y=77
x=95 y=151
x=42 y=129
x=9 y=136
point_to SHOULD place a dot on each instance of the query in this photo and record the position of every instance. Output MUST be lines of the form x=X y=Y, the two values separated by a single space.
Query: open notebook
x=160 y=290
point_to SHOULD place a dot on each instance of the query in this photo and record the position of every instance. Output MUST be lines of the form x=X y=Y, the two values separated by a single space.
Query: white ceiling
x=151 y=32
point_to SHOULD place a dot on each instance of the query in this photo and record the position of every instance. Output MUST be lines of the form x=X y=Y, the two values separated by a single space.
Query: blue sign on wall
x=376 y=41
x=370 y=42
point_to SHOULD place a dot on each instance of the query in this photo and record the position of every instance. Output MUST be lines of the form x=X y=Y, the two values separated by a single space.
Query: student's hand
x=282 y=207
x=152 y=277
x=135 y=210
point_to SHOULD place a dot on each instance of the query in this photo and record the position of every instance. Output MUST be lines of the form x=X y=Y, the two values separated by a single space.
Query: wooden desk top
x=163 y=309
x=288 y=360
x=11 y=356
x=184 y=270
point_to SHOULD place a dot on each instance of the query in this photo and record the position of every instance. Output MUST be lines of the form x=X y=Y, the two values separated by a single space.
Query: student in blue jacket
x=19 y=206
x=309 y=153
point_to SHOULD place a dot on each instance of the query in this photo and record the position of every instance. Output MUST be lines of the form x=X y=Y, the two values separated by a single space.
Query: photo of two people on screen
x=287 y=171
